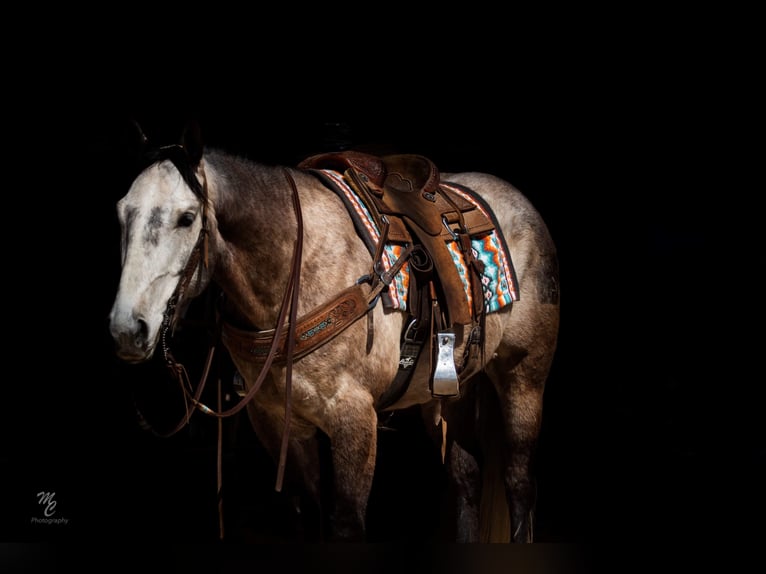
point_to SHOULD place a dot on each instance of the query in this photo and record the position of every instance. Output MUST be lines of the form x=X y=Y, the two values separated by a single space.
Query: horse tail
x=494 y=514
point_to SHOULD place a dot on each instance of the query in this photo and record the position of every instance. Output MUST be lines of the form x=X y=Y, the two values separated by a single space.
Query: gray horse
x=292 y=263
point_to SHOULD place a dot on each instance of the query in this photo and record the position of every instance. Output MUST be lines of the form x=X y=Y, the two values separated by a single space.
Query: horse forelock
x=177 y=155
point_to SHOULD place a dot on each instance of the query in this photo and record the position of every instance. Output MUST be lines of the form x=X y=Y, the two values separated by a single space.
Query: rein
x=197 y=260
x=291 y=292
x=281 y=346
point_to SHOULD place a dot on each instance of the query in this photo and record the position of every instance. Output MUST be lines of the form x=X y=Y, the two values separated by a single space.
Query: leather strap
x=418 y=330
x=314 y=329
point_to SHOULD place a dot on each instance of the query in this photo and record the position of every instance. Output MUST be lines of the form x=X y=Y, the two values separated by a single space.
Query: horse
x=281 y=249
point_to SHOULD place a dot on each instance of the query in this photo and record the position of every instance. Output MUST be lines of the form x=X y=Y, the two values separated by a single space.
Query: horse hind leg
x=465 y=462
x=521 y=401
x=489 y=493
x=492 y=437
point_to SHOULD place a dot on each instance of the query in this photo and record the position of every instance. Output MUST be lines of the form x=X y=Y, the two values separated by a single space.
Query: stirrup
x=445 y=382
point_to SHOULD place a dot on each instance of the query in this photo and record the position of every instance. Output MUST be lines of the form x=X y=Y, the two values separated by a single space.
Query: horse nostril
x=142 y=332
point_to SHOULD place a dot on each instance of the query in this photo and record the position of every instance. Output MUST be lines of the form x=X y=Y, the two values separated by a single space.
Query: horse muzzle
x=132 y=339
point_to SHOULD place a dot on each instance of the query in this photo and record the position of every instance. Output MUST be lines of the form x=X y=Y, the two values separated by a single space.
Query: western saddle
x=410 y=205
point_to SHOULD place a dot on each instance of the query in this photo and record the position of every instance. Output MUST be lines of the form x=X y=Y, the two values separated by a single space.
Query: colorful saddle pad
x=499 y=283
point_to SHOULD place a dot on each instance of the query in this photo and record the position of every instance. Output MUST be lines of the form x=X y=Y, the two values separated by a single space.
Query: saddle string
x=475 y=272
x=377 y=263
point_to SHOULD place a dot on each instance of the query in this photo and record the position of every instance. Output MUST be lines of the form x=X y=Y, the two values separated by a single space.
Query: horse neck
x=254 y=236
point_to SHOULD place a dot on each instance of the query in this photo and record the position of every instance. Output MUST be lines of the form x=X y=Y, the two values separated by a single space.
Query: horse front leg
x=353 y=440
x=302 y=480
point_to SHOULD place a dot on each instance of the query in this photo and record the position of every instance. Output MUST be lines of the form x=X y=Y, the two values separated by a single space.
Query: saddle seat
x=407 y=190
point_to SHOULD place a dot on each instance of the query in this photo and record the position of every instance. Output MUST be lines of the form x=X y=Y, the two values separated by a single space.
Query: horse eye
x=186 y=219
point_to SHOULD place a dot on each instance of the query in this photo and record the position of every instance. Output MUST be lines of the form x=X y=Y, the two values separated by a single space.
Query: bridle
x=198 y=262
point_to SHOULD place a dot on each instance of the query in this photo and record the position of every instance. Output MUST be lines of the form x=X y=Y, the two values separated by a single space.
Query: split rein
x=198 y=259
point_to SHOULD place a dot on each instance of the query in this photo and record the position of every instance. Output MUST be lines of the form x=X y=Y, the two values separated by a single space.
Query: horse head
x=163 y=218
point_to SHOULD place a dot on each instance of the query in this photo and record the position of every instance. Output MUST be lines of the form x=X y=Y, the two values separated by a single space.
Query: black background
x=652 y=429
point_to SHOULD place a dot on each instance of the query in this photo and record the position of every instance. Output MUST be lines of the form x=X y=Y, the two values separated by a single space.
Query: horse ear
x=137 y=134
x=133 y=142
x=192 y=142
